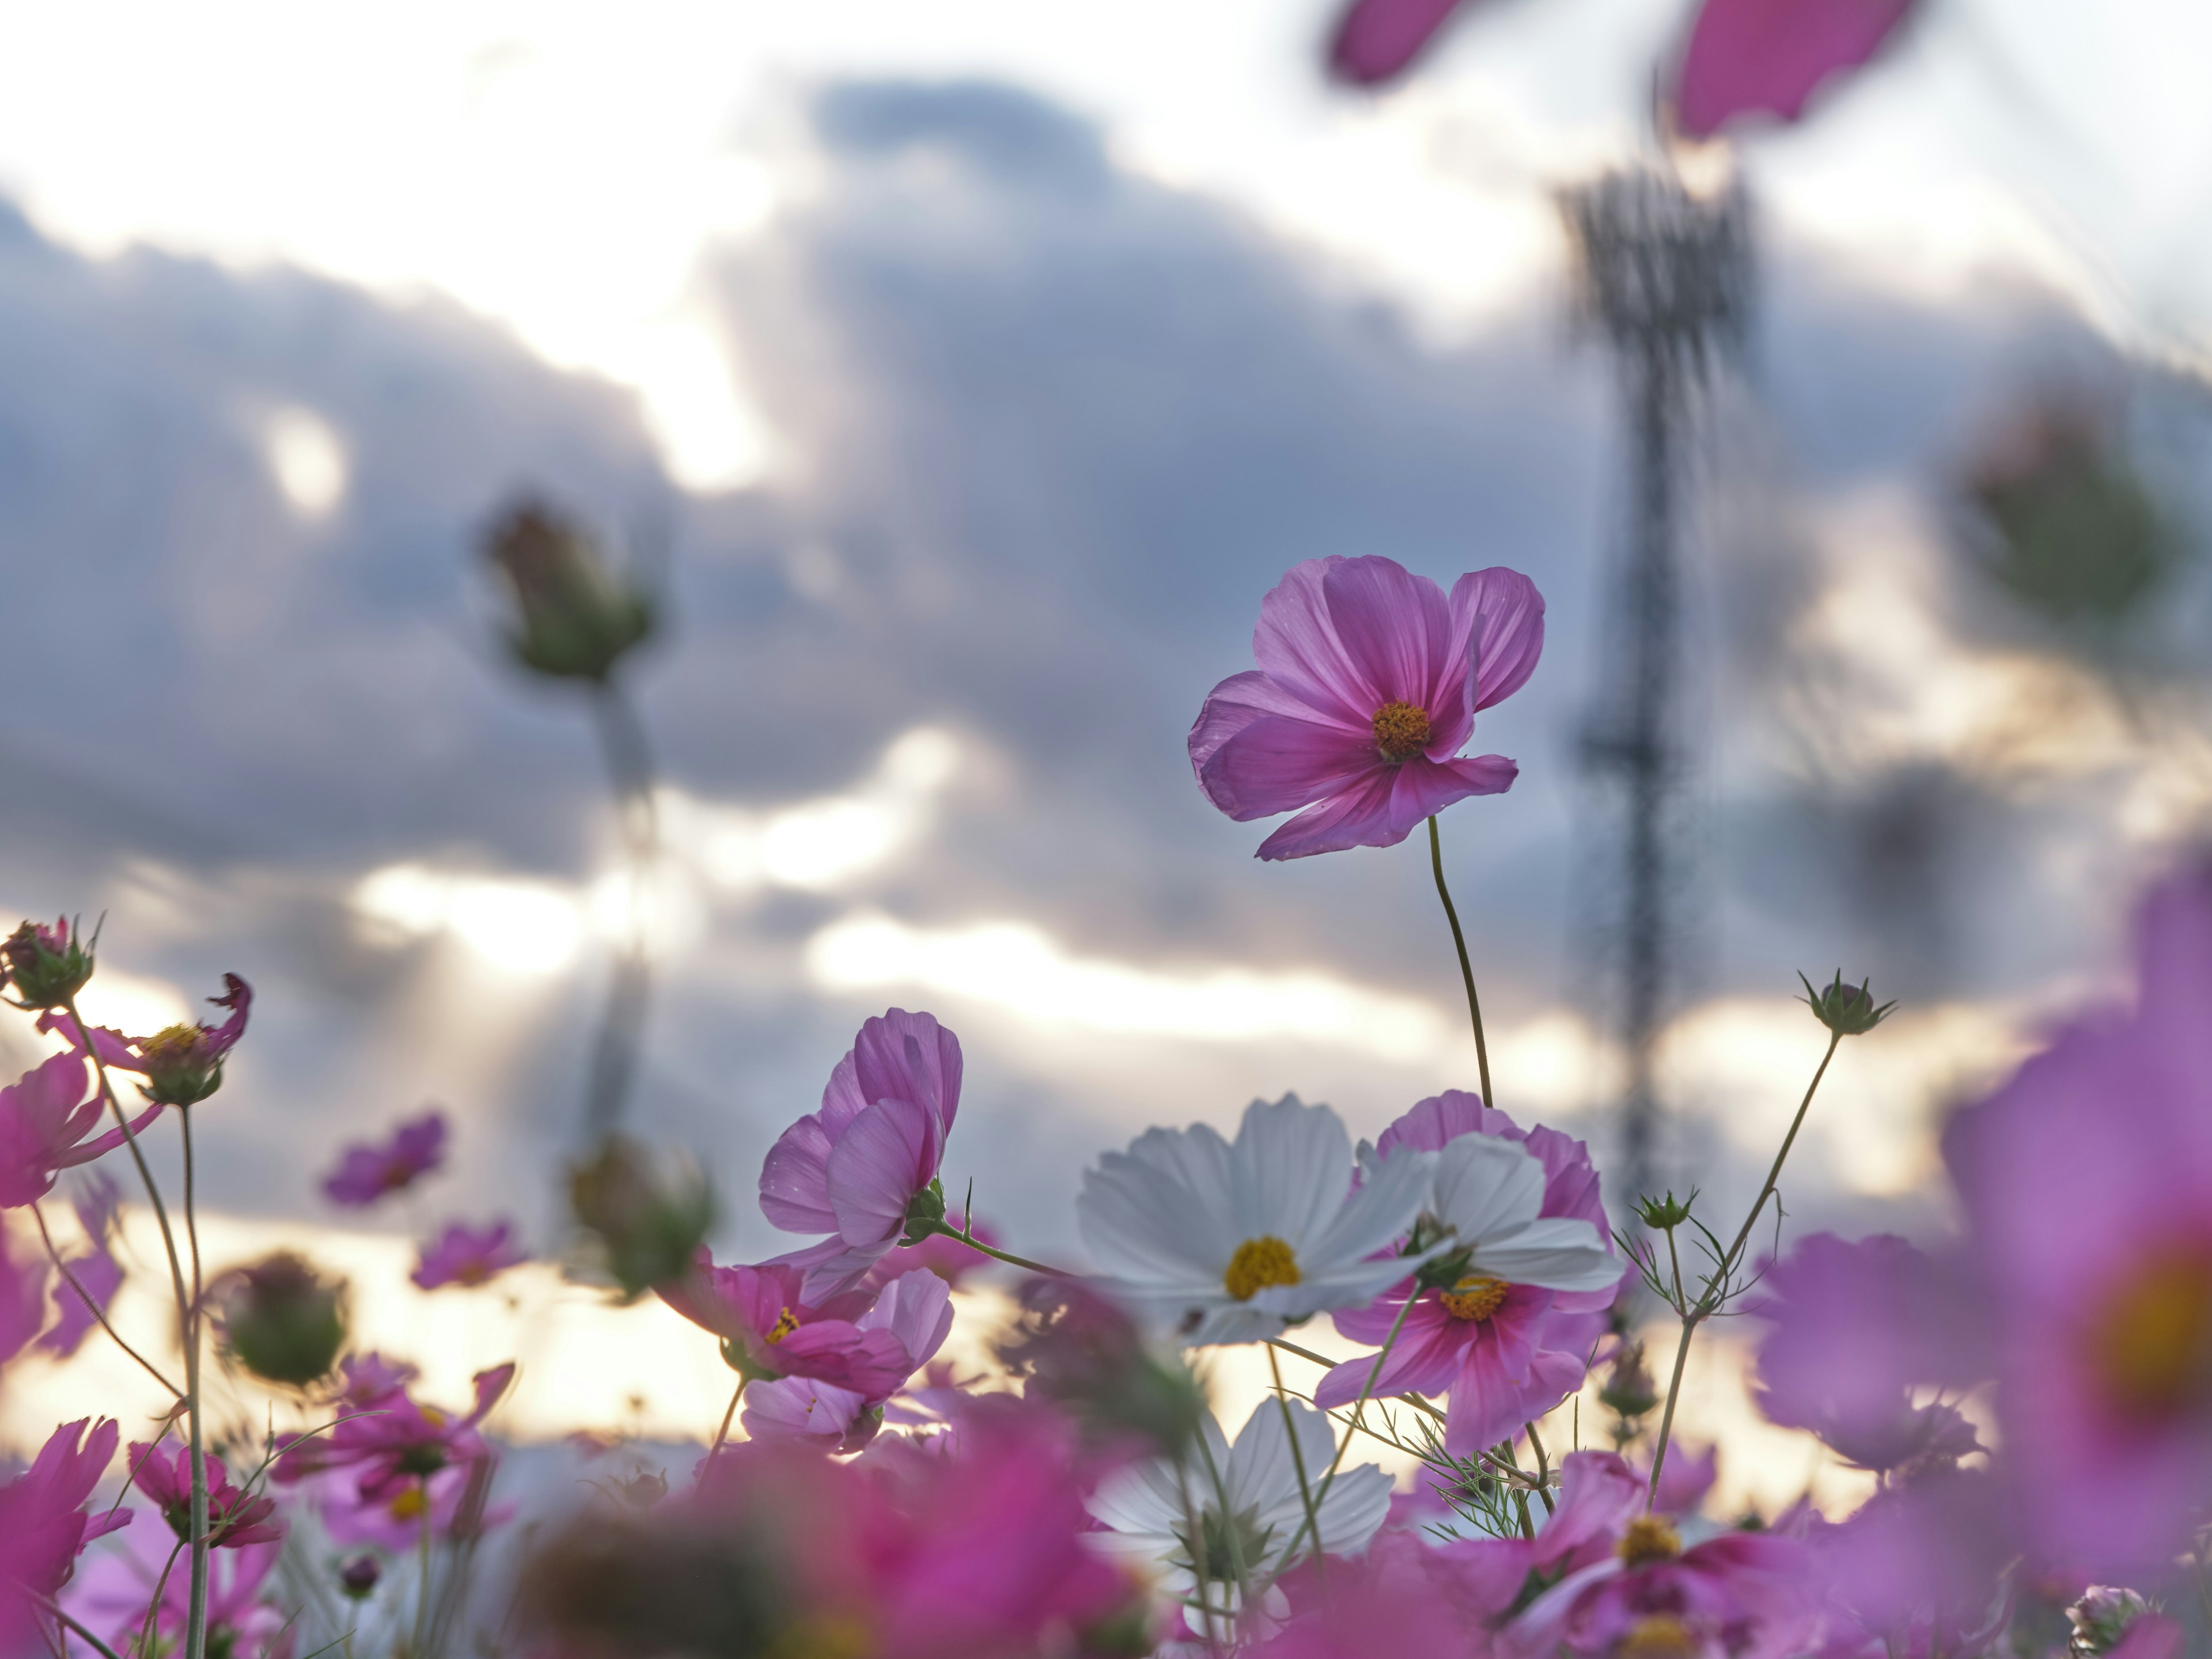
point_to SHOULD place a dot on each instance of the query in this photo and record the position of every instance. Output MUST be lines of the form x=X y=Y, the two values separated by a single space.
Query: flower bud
x=1846 y=1010
x=640 y=1491
x=281 y=1320
x=924 y=1211
x=2100 y=1619
x=574 y=619
x=1629 y=1392
x=645 y=1225
x=358 y=1577
x=1663 y=1215
x=47 y=966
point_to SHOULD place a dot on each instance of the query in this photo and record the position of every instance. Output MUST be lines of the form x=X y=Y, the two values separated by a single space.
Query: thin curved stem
x=1358 y=1414
x=1297 y=1454
x=996 y=1255
x=54 y=1607
x=1466 y=968
x=423 y=1587
x=1543 y=1469
x=728 y=1417
x=93 y=1308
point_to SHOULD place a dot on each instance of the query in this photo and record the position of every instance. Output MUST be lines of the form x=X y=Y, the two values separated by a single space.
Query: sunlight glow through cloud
x=308 y=460
x=521 y=926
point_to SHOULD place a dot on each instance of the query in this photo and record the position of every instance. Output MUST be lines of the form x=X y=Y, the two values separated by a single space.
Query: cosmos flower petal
x=1296 y=645
x=1382 y=1208
x=1252 y=696
x=1280 y=763
x=1771 y=56
x=1289 y=1172
x=1394 y=628
x=1501 y=614
x=887 y=1155
x=1143 y=1213
x=794 y=1181
x=1485 y=1185
x=1359 y=817
x=1558 y=1254
x=1376 y=39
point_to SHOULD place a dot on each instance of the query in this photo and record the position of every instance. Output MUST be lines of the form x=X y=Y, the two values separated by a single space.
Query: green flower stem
x=1543 y=1467
x=1774 y=1174
x=1358 y=1418
x=94 y=1309
x=729 y=1416
x=1466 y=969
x=1297 y=1456
x=414 y=1649
x=1006 y=1257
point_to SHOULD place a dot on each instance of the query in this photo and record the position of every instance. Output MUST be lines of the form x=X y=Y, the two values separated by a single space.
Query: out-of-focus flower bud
x=2100 y=1619
x=47 y=966
x=1664 y=1214
x=281 y=1320
x=1846 y=1010
x=1629 y=1392
x=646 y=1224
x=358 y=1577
x=574 y=618
x=640 y=1491
x=1082 y=1352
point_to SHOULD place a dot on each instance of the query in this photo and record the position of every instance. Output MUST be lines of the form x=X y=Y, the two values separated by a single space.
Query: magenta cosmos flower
x=917 y=1309
x=44 y=1118
x=43 y=1523
x=234 y=1519
x=2086 y=1183
x=468 y=1256
x=1506 y=1353
x=1741 y=1595
x=1367 y=688
x=1376 y=39
x=854 y=1168
x=111 y=1597
x=367 y=1171
x=769 y=1330
x=400 y=1444
x=22 y=1310
x=1770 y=56
x=182 y=1064
x=94 y=1274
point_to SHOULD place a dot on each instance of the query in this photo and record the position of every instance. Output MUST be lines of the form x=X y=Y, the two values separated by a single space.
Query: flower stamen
x=1475 y=1297
x=1401 y=731
x=786 y=1323
x=2151 y=1343
x=1258 y=1263
x=1662 y=1636
x=1649 y=1539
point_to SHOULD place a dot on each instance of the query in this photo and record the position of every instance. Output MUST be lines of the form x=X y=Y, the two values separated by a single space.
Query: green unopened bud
x=179 y=1071
x=924 y=1211
x=1629 y=1391
x=281 y=1320
x=645 y=1224
x=1846 y=1010
x=574 y=618
x=47 y=966
x=1663 y=1215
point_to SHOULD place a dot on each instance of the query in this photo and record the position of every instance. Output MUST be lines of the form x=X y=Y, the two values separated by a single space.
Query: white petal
x=1557 y=1253
x=1378 y=1213
x=1487 y=1185
x=1261 y=1473
x=1290 y=1167
x=1158 y=1213
x=1357 y=1504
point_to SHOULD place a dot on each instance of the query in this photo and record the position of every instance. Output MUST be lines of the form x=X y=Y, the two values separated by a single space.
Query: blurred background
x=970 y=370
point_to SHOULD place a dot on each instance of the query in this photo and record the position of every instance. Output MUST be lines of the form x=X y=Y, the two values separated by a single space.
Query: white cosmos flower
x=1237 y=1241
x=1487 y=1192
x=1148 y=1509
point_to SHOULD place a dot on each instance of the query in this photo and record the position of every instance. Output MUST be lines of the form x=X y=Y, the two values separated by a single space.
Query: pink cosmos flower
x=1505 y=1353
x=43 y=1523
x=1363 y=1612
x=234 y=1519
x=1771 y=56
x=110 y=1597
x=1741 y=1595
x=22 y=1282
x=403 y=1442
x=916 y=1309
x=1368 y=686
x=97 y=1273
x=368 y=1172
x=1376 y=39
x=769 y=1330
x=1918 y=1571
x=45 y=1117
x=182 y=1064
x=854 y=1168
x=468 y=1256
x=2087 y=1182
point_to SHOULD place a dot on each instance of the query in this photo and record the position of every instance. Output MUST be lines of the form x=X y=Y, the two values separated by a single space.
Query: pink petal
x=1497 y=617
x=1769 y=57
x=108 y=1142
x=1280 y=764
x=1357 y=818
x=1394 y=627
x=888 y=1154
x=795 y=1179
x=99 y=1275
x=871 y=1363
x=1376 y=38
x=1296 y=644
x=1240 y=699
x=904 y=1056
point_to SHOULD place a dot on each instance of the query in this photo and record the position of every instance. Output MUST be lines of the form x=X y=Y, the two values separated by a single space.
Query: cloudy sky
x=976 y=368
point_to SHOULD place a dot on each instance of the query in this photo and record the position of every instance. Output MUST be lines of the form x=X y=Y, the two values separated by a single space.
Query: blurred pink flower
x=22 y=1304
x=97 y=1273
x=1368 y=686
x=43 y=1523
x=853 y=1168
x=1505 y=1353
x=399 y=1443
x=468 y=1256
x=1770 y=56
x=110 y=1595
x=2087 y=1184
x=165 y=1476
x=917 y=1309
x=1376 y=39
x=45 y=1116
x=1917 y=1571
x=368 y=1172
x=1686 y=1480
x=1741 y=1595
x=1364 y=1610
x=768 y=1330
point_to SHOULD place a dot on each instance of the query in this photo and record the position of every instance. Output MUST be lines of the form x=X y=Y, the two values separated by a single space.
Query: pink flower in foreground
x=43 y=1523
x=853 y=1169
x=111 y=1595
x=468 y=1256
x=917 y=1309
x=1741 y=1595
x=1918 y=1571
x=1506 y=1353
x=1770 y=56
x=22 y=1308
x=368 y=1172
x=234 y=1520
x=1376 y=39
x=769 y=1330
x=2086 y=1183
x=96 y=1273
x=45 y=1116
x=1368 y=686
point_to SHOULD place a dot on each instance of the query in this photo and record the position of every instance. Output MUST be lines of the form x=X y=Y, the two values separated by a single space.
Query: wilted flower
x=46 y=967
x=468 y=1256
x=45 y=1116
x=368 y=1172
x=1770 y=56
x=1078 y=1349
x=1234 y=1241
x=234 y=1520
x=183 y=1064
x=860 y=1165
x=95 y=1275
x=646 y=1223
x=574 y=618
x=281 y=1319
x=916 y=1309
x=1629 y=1391
x=1368 y=686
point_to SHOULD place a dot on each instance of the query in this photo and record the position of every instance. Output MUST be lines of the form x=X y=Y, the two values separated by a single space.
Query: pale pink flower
x=769 y=1330
x=917 y=1309
x=367 y=1171
x=1771 y=56
x=468 y=1256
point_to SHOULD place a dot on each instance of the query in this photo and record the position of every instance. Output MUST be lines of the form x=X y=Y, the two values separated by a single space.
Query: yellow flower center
x=1662 y=1636
x=1649 y=1539
x=786 y=1323
x=174 y=1040
x=1474 y=1297
x=1258 y=1263
x=410 y=1504
x=1401 y=731
x=823 y=1636
x=2150 y=1344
